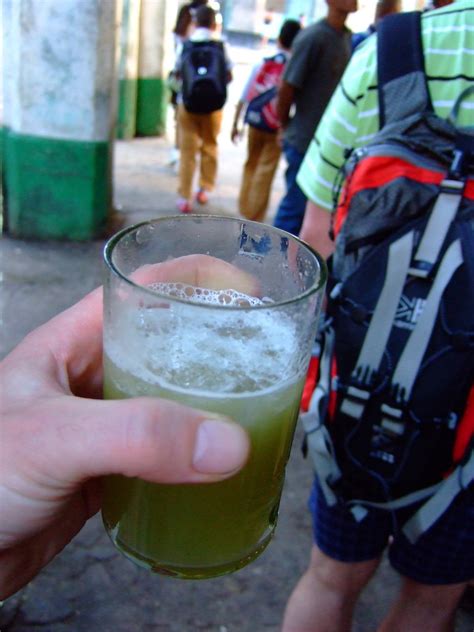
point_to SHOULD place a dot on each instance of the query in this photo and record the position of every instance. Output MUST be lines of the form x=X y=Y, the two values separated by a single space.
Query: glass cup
x=219 y=314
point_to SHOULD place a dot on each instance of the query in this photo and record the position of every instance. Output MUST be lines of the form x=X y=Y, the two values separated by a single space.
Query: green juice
x=204 y=530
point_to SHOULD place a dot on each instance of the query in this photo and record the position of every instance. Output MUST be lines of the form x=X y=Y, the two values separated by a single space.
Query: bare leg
x=325 y=596
x=423 y=607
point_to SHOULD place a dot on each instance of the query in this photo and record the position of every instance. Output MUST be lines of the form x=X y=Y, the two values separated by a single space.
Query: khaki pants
x=197 y=134
x=262 y=161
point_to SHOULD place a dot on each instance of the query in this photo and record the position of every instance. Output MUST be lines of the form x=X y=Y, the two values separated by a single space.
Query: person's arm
x=236 y=132
x=315 y=229
x=178 y=60
x=229 y=65
x=286 y=96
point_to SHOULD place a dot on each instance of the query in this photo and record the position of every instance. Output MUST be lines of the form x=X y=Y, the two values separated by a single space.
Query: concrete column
x=59 y=116
x=128 y=44
x=156 y=59
x=6 y=15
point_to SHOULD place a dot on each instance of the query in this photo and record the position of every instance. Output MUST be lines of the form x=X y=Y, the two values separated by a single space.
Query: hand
x=236 y=134
x=280 y=136
x=58 y=437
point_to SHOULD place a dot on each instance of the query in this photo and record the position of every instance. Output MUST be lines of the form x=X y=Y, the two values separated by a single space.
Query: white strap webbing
x=381 y=323
x=410 y=360
x=441 y=217
x=435 y=507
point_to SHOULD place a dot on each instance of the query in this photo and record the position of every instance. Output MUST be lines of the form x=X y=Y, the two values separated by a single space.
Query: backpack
x=261 y=111
x=391 y=420
x=204 y=76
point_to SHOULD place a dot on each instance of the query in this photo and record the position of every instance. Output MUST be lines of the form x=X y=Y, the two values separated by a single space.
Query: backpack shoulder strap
x=402 y=86
x=219 y=44
x=192 y=44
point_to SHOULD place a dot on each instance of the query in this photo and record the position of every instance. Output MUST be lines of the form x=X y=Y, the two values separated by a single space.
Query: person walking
x=204 y=69
x=181 y=32
x=319 y=56
x=263 y=146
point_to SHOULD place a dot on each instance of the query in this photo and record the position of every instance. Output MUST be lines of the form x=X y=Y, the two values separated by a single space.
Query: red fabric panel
x=465 y=429
x=310 y=384
x=379 y=170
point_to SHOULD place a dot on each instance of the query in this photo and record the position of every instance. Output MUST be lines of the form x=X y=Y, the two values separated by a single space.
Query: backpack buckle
x=457 y=170
x=391 y=420
x=355 y=401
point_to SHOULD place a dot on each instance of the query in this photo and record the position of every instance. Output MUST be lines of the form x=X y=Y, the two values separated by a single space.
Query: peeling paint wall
x=60 y=100
x=62 y=58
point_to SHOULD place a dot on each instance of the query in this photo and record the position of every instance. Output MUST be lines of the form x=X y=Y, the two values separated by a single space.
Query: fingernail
x=221 y=447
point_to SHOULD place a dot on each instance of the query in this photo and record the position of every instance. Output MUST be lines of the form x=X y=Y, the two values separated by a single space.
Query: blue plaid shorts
x=442 y=555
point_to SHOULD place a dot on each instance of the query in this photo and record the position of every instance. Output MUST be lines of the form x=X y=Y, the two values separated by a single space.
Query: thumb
x=153 y=439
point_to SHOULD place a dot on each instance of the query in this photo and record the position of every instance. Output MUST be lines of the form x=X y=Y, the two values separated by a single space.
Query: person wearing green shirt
x=344 y=557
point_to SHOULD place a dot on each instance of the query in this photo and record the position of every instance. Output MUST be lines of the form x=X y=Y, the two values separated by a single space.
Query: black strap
x=193 y=44
x=399 y=46
x=400 y=53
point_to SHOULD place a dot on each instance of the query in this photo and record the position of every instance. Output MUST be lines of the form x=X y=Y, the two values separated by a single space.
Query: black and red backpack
x=391 y=419
x=261 y=111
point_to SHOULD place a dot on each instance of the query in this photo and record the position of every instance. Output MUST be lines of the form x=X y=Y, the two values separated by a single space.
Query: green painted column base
x=3 y=136
x=152 y=104
x=56 y=189
x=127 y=108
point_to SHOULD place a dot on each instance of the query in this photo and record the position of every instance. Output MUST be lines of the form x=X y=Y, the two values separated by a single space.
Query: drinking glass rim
x=114 y=240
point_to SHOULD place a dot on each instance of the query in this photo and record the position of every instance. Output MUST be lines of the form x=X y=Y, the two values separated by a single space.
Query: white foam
x=227 y=297
x=224 y=351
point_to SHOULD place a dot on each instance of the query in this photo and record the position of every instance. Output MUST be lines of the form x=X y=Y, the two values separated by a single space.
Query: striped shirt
x=351 y=119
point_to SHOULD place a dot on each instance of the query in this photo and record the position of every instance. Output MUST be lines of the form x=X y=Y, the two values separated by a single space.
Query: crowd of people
x=324 y=104
x=291 y=104
x=312 y=69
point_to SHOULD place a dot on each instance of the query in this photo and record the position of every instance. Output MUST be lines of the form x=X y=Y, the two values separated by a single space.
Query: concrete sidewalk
x=90 y=587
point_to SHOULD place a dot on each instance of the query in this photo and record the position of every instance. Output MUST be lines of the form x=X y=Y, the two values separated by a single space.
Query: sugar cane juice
x=238 y=364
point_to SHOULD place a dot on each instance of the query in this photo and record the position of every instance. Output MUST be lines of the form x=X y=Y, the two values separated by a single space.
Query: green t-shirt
x=352 y=117
x=319 y=56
